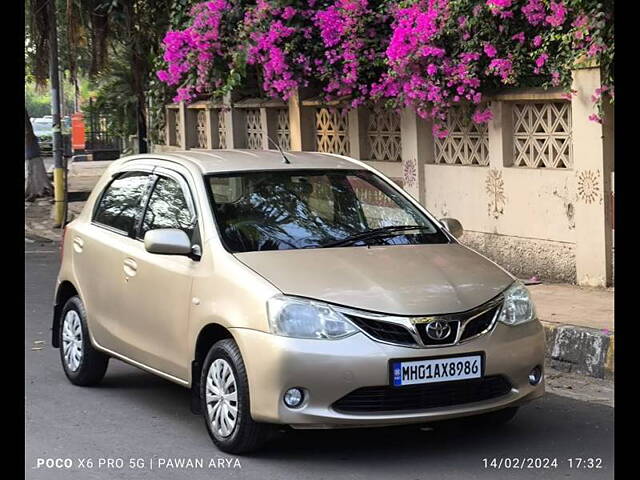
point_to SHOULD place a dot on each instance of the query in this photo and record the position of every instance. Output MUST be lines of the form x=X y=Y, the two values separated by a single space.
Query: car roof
x=218 y=161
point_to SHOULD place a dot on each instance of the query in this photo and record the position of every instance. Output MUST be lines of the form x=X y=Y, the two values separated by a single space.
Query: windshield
x=290 y=209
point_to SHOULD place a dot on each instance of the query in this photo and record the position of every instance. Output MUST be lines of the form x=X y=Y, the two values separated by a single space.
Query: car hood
x=399 y=279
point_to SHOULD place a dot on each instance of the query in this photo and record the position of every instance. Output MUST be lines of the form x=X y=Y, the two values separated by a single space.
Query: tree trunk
x=36 y=182
x=143 y=146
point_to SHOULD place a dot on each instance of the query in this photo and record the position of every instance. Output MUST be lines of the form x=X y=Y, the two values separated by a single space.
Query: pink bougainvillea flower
x=580 y=21
x=439 y=131
x=534 y=12
x=499 y=7
x=499 y=3
x=595 y=49
x=427 y=55
x=482 y=116
x=540 y=62
x=346 y=27
x=519 y=37
x=163 y=75
x=288 y=12
x=490 y=50
x=558 y=14
x=597 y=94
x=194 y=49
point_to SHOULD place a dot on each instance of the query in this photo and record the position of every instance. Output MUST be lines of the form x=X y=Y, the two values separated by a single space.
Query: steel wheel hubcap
x=72 y=340
x=222 y=398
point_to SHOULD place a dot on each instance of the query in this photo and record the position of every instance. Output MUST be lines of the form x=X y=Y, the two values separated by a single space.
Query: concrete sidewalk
x=579 y=327
x=38 y=219
x=578 y=321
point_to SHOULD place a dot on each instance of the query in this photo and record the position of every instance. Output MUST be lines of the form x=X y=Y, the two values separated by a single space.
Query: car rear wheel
x=224 y=394
x=83 y=365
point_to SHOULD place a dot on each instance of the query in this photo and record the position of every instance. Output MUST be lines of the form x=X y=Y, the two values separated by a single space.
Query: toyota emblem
x=438 y=330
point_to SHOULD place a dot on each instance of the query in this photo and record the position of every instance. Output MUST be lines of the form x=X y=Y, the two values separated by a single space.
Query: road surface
x=135 y=425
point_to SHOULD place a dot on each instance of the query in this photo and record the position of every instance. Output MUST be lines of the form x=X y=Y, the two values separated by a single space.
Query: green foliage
x=113 y=42
x=116 y=99
x=38 y=100
x=159 y=94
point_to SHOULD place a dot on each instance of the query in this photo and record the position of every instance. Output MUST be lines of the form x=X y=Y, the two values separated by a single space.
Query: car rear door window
x=121 y=201
x=168 y=208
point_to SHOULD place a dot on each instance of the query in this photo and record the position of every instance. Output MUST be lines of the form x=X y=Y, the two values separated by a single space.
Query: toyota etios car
x=303 y=289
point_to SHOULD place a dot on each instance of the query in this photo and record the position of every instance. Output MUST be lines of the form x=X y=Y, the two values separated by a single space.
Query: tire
x=244 y=435
x=87 y=366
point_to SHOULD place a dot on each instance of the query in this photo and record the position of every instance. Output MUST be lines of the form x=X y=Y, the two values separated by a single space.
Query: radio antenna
x=284 y=157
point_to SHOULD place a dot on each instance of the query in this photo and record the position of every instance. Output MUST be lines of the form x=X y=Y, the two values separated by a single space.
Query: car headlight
x=300 y=318
x=517 y=307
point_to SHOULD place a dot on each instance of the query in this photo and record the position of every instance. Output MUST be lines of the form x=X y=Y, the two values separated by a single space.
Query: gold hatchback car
x=300 y=289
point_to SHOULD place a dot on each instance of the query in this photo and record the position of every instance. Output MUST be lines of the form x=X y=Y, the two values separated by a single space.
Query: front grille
x=448 y=339
x=421 y=397
x=479 y=324
x=415 y=335
x=385 y=331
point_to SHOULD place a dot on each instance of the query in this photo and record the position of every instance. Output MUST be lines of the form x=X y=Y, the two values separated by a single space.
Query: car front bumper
x=330 y=369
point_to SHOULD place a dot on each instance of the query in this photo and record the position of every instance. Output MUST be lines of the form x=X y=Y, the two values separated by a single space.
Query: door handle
x=130 y=268
x=78 y=244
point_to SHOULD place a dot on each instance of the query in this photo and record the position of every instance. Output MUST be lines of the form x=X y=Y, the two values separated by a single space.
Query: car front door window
x=121 y=202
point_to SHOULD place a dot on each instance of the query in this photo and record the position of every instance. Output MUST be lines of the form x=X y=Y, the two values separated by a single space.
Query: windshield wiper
x=377 y=232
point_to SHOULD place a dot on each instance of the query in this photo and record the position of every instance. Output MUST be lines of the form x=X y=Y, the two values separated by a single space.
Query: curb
x=30 y=237
x=586 y=351
x=42 y=235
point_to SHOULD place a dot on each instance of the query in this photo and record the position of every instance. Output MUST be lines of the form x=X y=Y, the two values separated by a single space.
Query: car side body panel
x=228 y=293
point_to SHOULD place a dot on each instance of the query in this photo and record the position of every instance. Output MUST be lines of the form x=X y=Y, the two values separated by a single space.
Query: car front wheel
x=83 y=364
x=224 y=393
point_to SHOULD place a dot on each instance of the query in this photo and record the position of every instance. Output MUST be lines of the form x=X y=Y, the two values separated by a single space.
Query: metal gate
x=98 y=140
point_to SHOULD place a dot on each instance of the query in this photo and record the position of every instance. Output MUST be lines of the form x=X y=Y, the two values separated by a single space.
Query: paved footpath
x=579 y=326
x=570 y=305
x=137 y=418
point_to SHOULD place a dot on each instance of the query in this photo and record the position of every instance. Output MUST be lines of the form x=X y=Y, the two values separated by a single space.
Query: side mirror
x=453 y=226
x=167 y=241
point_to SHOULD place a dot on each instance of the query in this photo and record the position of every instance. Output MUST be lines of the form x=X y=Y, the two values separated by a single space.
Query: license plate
x=412 y=372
